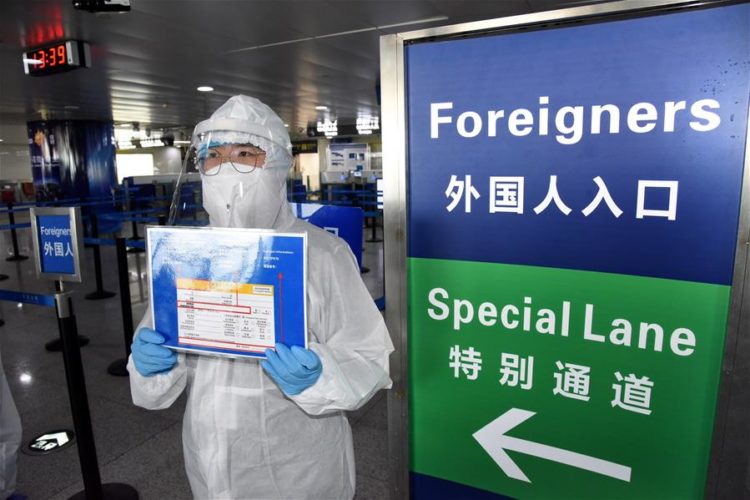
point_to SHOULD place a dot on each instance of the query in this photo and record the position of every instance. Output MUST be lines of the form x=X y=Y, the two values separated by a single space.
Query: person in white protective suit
x=10 y=438
x=276 y=428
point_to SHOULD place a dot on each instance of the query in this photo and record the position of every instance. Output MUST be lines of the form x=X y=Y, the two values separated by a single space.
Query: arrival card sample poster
x=224 y=291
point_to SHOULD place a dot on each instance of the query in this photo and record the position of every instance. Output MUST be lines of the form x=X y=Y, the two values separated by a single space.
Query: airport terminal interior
x=110 y=112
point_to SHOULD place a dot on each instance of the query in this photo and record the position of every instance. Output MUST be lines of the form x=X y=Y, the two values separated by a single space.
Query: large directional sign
x=573 y=211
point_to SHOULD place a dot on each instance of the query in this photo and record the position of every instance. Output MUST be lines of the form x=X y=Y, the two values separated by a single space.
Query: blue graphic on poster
x=45 y=163
x=228 y=291
x=72 y=159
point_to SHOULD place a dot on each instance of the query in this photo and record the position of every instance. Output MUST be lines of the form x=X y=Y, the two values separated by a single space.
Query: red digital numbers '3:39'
x=52 y=57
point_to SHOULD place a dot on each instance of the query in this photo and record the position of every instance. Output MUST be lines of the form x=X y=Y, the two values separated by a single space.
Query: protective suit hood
x=234 y=197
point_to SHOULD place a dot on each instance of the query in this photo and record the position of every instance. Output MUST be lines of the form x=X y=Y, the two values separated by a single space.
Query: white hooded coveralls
x=10 y=438
x=242 y=437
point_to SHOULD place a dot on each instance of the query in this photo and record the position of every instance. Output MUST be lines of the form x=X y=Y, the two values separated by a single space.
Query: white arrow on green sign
x=492 y=437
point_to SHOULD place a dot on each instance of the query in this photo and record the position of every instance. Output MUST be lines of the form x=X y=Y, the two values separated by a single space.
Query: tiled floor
x=135 y=446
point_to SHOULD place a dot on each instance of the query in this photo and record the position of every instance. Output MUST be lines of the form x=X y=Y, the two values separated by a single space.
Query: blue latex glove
x=293 y=370
x=149 y=356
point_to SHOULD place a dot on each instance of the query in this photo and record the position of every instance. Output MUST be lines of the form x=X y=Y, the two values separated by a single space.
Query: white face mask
x=250 y=200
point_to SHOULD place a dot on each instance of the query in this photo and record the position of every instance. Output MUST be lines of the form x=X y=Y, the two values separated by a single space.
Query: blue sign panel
x=56 y=244
x=587 y=147
x=344 y=222
x=228 y=291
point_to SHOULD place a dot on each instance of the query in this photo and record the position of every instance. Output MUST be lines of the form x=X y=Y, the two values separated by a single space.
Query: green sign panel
x=534 y=382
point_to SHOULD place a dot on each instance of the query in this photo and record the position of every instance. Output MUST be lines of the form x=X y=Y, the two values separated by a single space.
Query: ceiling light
x=286 y=125
x=1 y=140
x=182 y=142
x=328 y=128
x=321 y=108
x=205 y=88
x=25 y=378
x=366 y=124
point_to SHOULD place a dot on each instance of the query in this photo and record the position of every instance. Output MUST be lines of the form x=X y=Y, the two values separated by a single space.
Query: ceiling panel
x=147 y=63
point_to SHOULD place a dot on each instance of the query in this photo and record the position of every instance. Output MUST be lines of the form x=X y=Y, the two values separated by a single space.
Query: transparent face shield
x=220 y=171
x=186 y=206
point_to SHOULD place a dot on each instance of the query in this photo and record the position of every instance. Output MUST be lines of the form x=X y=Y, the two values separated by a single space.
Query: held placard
x=234 y=292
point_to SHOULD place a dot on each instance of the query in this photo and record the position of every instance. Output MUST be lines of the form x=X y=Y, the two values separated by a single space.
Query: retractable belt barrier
x=113 y=242
x=22 y=225
x=27 y=298
x=152 y=198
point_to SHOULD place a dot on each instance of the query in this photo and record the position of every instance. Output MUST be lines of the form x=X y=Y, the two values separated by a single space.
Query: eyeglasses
x=244 y=159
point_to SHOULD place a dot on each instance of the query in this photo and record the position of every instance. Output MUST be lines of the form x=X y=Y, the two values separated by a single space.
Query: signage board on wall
x=573 y=211
x=348 y=157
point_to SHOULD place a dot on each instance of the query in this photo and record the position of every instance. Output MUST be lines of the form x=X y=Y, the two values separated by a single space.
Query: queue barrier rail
x=151 y=198
x=20 y=225
x=36 y=299
x=107 y=242
x=128 y=219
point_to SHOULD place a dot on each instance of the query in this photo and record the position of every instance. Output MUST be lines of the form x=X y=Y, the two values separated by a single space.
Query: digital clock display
x=62 y=56
x=50 y=57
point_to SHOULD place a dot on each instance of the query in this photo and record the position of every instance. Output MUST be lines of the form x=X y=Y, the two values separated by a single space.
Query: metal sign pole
x=77 y=392
x=79 y=406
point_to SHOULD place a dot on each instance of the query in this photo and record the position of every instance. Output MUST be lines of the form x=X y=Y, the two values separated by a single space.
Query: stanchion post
x=79 y=404
x=374 y=227
x=56 y=344
x=100 y=292
x=13 y=236
x=134 y=224
x=135 y=236
x=118 y=368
